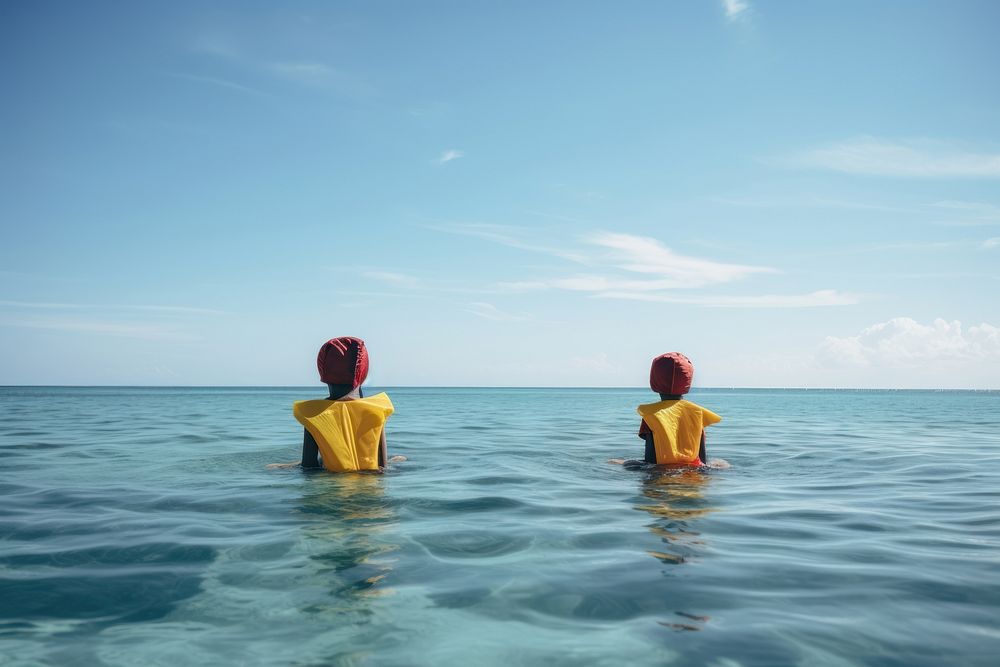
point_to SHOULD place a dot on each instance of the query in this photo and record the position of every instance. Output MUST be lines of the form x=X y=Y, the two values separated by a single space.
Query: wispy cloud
x=220 y=83
x=490 y=312
x=923 y=158
x=636 y=254
x=310 y=73
x=577 y=192
x=734 y=9
x=408 y=295
x=47 y=305
x=449 y=155
x=590 y=283
x=632 y=267
x=217 y=43
x=811 y=300
x=906 y=246
x=970 y=213
x=104 y=319
x=992 y=243
x=557 y=217
x=599 y=284
x=640 y=254
x=240 y=55
x=320 y=76
x=596 y=363
x=392 y=278
x=810 y=201
x=102 y=327
x=507 y=235
x=904 y=342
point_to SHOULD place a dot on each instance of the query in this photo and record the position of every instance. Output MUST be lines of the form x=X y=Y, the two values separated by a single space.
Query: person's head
x=342 y=364
x=670 y=375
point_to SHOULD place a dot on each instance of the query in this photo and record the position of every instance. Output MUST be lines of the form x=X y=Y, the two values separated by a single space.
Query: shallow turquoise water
x=140 y=526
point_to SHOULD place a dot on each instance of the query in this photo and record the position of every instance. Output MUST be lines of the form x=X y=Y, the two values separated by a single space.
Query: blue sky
x=519 y=193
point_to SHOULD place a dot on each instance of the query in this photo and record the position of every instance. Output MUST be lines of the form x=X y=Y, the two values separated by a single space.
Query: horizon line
x=470 y=386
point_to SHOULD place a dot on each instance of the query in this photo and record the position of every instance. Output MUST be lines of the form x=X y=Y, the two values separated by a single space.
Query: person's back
x=345 y=430
x=674 y=428
x=349 y=434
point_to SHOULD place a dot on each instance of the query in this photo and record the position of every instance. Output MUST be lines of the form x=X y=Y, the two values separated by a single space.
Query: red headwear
x=671 y=373
x=343 y=360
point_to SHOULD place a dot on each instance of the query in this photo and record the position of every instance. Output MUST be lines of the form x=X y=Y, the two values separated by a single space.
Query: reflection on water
x=345 y=536
x=854 y=528
x=675 y=501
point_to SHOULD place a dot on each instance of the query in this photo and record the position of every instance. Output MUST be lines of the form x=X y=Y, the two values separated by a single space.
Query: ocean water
x=141 y=527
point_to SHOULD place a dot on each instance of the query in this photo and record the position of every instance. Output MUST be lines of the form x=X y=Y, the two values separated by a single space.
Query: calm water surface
x=140 y=526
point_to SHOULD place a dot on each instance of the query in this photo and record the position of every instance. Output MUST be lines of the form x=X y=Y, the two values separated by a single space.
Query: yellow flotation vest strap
x=677 y=428
x=347 y=432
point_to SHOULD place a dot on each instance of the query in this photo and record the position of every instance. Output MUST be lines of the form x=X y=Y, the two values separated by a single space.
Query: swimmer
x=673 y=428
x=346 y=430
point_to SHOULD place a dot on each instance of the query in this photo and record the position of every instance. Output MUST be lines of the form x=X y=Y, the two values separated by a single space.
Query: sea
x=142 y=526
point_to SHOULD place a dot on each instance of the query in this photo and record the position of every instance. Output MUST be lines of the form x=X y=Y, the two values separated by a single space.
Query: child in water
x=346 y=429
x=673 y=428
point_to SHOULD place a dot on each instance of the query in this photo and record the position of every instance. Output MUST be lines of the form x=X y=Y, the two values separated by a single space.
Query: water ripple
x=853 y=528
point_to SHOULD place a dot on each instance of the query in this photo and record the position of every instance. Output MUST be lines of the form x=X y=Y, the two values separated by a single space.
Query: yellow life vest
x=347 y=432
x=677 y=427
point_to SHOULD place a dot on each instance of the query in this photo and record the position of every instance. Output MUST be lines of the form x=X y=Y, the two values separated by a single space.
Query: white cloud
x=992 y=243
x=244 y=52
x=818 y=298
x=46 y=305
x=662 y=271
x=640 y=254
x=449 y=155
x=319 y=76
x=981 y=211
x=638 y=290
x=903 y=342
x=392 y=278
x=490 y=312
x=507 y=235
x=218 y=44
x=636 y=254
x=596 y=363
x=307 y=73
x=102 y=327
x=917 y=159
x=590 y=283
x=734 y=8
x=220 y=83
x=810 y=201
x=105 y=319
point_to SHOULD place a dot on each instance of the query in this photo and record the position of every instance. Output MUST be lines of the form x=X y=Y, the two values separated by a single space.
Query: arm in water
x=310 y=454
x=310 y=450
x=383 y=453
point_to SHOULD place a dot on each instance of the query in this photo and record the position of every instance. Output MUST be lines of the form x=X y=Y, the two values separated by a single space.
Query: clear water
x=140 y=526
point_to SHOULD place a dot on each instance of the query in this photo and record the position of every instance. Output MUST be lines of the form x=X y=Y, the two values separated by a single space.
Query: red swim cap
x=671 y=373
x=343 y=360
